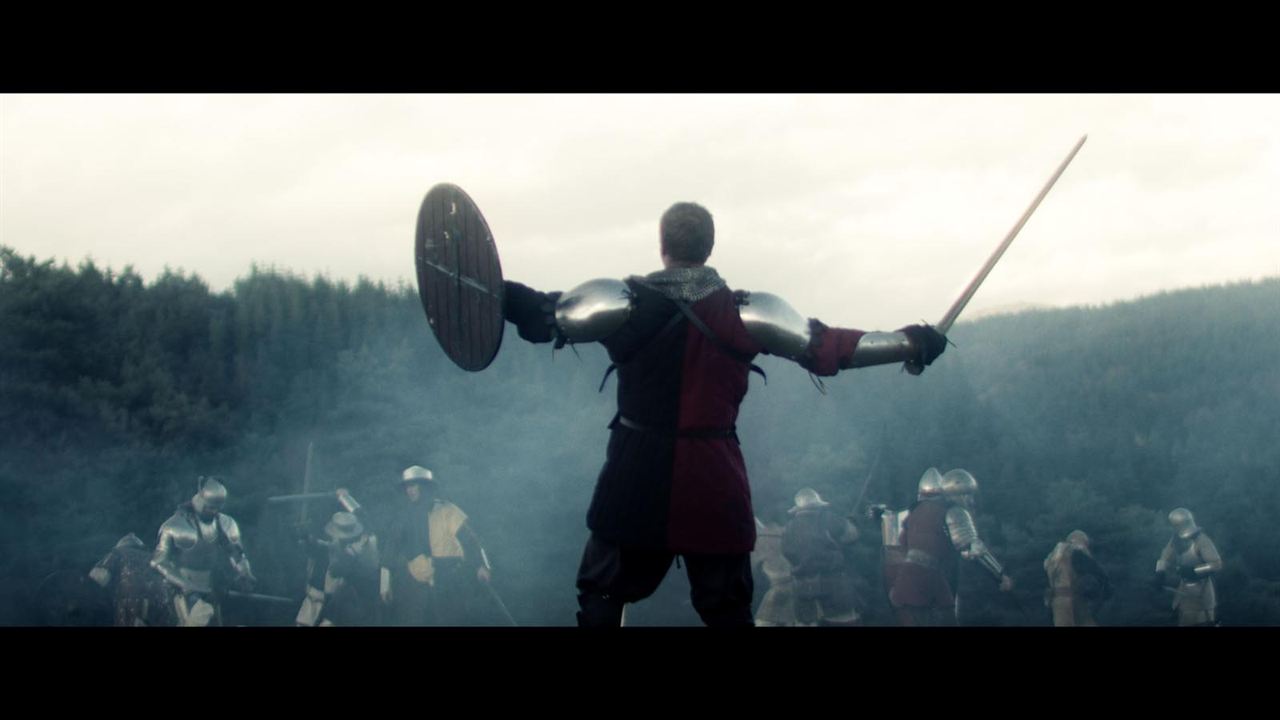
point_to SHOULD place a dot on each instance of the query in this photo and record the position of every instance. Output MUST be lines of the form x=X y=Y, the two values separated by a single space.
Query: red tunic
x=915 y=584
x=674 y=477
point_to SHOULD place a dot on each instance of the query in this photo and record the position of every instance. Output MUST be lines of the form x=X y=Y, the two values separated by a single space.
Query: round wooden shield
x=459 y=277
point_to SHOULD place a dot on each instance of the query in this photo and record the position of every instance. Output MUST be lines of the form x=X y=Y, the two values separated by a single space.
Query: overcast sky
x=868 y=211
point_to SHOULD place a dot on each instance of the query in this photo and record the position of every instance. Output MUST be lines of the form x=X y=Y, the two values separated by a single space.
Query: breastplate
x=1189 y=557
x=204 y=554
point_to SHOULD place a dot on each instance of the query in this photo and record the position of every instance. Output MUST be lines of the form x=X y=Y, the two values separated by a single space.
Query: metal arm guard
x=882 y=348
x=312 y=605
x=593 y=311
x=1208 y=553
x=347 y=502
x=774 y=324
x=239 y=561
x=784 y=332
x=174 y=533
x=891 y=527
x=964 y=537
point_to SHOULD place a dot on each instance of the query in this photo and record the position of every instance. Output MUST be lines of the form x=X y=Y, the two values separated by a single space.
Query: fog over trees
x=116 y=393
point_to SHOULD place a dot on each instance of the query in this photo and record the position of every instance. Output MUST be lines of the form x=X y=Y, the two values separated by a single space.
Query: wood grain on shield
x=459 y=277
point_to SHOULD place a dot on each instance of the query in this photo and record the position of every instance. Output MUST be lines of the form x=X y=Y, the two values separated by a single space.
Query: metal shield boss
x=459 y=277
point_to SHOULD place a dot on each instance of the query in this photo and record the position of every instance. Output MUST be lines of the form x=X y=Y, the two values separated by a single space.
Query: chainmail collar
x=689 y=284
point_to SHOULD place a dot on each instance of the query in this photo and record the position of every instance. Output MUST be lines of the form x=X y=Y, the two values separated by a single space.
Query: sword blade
x=947 y=320
x=501 y=605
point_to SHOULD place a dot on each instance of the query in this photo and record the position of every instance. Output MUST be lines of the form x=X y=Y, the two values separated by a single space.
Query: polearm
x=870 y=473
x=947 y=320
x=306 y=485
x=262 y=598
x=301 y=497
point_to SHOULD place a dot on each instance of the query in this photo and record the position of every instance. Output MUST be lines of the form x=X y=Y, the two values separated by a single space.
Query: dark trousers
x=611 y=576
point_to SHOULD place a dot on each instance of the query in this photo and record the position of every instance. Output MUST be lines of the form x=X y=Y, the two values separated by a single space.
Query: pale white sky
x=868 y=211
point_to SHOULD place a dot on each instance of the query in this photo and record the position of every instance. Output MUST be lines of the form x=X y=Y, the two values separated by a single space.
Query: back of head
x=687 y=233
x=211 y=497
x=1184 y=524
x=959 y=483
x=416 y=474
x=344 y=526
x=130 y=541
x=808 y=499
x=930 y=484
x=1078 y=538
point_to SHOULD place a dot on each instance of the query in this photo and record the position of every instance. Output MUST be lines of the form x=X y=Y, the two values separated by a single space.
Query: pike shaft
x=946 y=322
x=300 y=497
x=261 y=597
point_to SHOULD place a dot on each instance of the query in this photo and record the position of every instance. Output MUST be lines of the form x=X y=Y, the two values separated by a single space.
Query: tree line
x=116 y=393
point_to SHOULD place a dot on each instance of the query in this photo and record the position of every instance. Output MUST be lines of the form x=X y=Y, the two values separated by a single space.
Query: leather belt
x=924 y=559
x=730 y=432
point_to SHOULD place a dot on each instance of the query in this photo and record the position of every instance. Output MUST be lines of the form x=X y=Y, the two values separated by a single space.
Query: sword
x=501 y=605
x=947 y=320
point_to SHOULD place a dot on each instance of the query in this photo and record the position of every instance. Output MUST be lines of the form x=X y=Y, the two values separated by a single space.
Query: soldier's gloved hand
x=245 y=583
x=483 y=575
x=875 y=511
x=100 y=575
x=928 y=344
x=1189 y=574
x=1006 y=583
x=533 y=312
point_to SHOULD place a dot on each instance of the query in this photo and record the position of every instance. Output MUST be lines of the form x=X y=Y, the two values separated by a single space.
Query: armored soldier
x=342 y=575
x=1187 y=567
x=138 y=593
x=814 y=543
x=938 y=533
x=198 y=546
x=778 y=606
x=893 y=553
x=1075 y=580
x=674 y=481
x=433 y=558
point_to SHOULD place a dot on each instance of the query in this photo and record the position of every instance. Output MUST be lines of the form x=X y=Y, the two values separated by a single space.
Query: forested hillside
x=115 y=394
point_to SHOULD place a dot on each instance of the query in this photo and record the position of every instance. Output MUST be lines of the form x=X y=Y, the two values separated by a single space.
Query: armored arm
x=101 y=573
x=347 y=502
x=823 y=350
x=235 y=548
x=964 y=537
x=312 y=605
x=1210 y=560
x=1167 y=561
x=172 y=533
x=890 y=524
